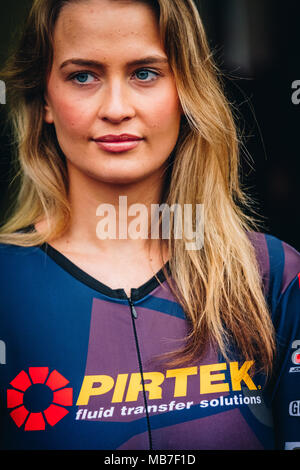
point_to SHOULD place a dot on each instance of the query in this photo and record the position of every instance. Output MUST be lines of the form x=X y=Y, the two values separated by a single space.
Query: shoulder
x=279 y=264
x=280 y=269
x=10 y=251
x=14 y=258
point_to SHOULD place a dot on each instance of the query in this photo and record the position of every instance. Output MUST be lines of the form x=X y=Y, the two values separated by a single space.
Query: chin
x=119 y=179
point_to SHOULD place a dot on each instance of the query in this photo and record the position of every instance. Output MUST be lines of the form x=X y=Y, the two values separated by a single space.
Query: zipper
x=132 y=309
x=134 y=317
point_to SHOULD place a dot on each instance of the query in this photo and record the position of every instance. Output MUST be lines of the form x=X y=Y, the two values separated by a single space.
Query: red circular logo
x=38 y=398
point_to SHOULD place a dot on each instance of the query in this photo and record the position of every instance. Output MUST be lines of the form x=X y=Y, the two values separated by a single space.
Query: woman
x=136 y=342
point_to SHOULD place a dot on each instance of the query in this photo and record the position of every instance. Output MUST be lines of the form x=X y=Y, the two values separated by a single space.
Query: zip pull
x=133 y=310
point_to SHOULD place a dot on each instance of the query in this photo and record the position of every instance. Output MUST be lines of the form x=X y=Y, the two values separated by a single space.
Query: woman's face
x=110 y=77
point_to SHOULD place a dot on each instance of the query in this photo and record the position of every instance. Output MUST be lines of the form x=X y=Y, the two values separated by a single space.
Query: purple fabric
x=291 y=265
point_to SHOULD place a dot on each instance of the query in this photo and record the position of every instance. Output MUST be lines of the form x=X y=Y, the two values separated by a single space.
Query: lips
x=118 y=143
x=118 y=138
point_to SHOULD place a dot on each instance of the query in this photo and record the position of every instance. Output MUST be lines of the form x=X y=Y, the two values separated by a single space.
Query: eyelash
x=85 y=72
x=75 y=75
x=148 y=71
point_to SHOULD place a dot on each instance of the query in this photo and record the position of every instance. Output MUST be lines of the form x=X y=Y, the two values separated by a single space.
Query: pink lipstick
x=118 y=143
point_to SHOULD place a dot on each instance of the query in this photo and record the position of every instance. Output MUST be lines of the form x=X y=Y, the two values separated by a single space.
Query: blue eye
x=82 y=77
x=146 y=75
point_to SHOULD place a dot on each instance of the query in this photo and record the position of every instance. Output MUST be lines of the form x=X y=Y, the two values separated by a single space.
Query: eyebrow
x=95 y=63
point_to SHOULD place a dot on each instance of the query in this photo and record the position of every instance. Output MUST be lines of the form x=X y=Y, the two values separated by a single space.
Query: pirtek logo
x=101 y=384
x=38 y=398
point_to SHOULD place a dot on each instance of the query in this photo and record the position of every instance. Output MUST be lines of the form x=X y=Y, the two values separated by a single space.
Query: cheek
x=69 y=115
x=165 y=120
x=165 y=111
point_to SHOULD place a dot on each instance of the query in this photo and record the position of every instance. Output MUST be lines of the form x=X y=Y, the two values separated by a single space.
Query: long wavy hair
x=218 y=286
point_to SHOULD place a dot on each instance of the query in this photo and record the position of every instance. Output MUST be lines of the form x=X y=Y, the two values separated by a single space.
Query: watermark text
x=2 y=352
x=296 y=93
x=187 y=221
x=2 y=92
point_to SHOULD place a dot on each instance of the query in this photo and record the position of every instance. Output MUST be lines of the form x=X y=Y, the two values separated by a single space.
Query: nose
x=116 y=103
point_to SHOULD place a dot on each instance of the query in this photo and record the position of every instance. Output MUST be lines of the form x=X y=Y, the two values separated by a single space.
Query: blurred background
x=255 y=44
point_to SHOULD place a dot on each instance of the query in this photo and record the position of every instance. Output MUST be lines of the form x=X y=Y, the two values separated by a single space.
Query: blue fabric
x=72 y=358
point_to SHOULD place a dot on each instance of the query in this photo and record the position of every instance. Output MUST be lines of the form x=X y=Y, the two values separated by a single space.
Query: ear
x=48 y=116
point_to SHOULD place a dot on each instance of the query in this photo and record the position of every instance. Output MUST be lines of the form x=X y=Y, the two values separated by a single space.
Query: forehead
x=106 y=27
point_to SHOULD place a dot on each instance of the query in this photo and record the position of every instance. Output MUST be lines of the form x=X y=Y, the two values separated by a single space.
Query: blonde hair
x=218 y=286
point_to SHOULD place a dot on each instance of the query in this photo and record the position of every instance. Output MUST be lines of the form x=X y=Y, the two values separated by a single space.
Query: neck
x=104 y=217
